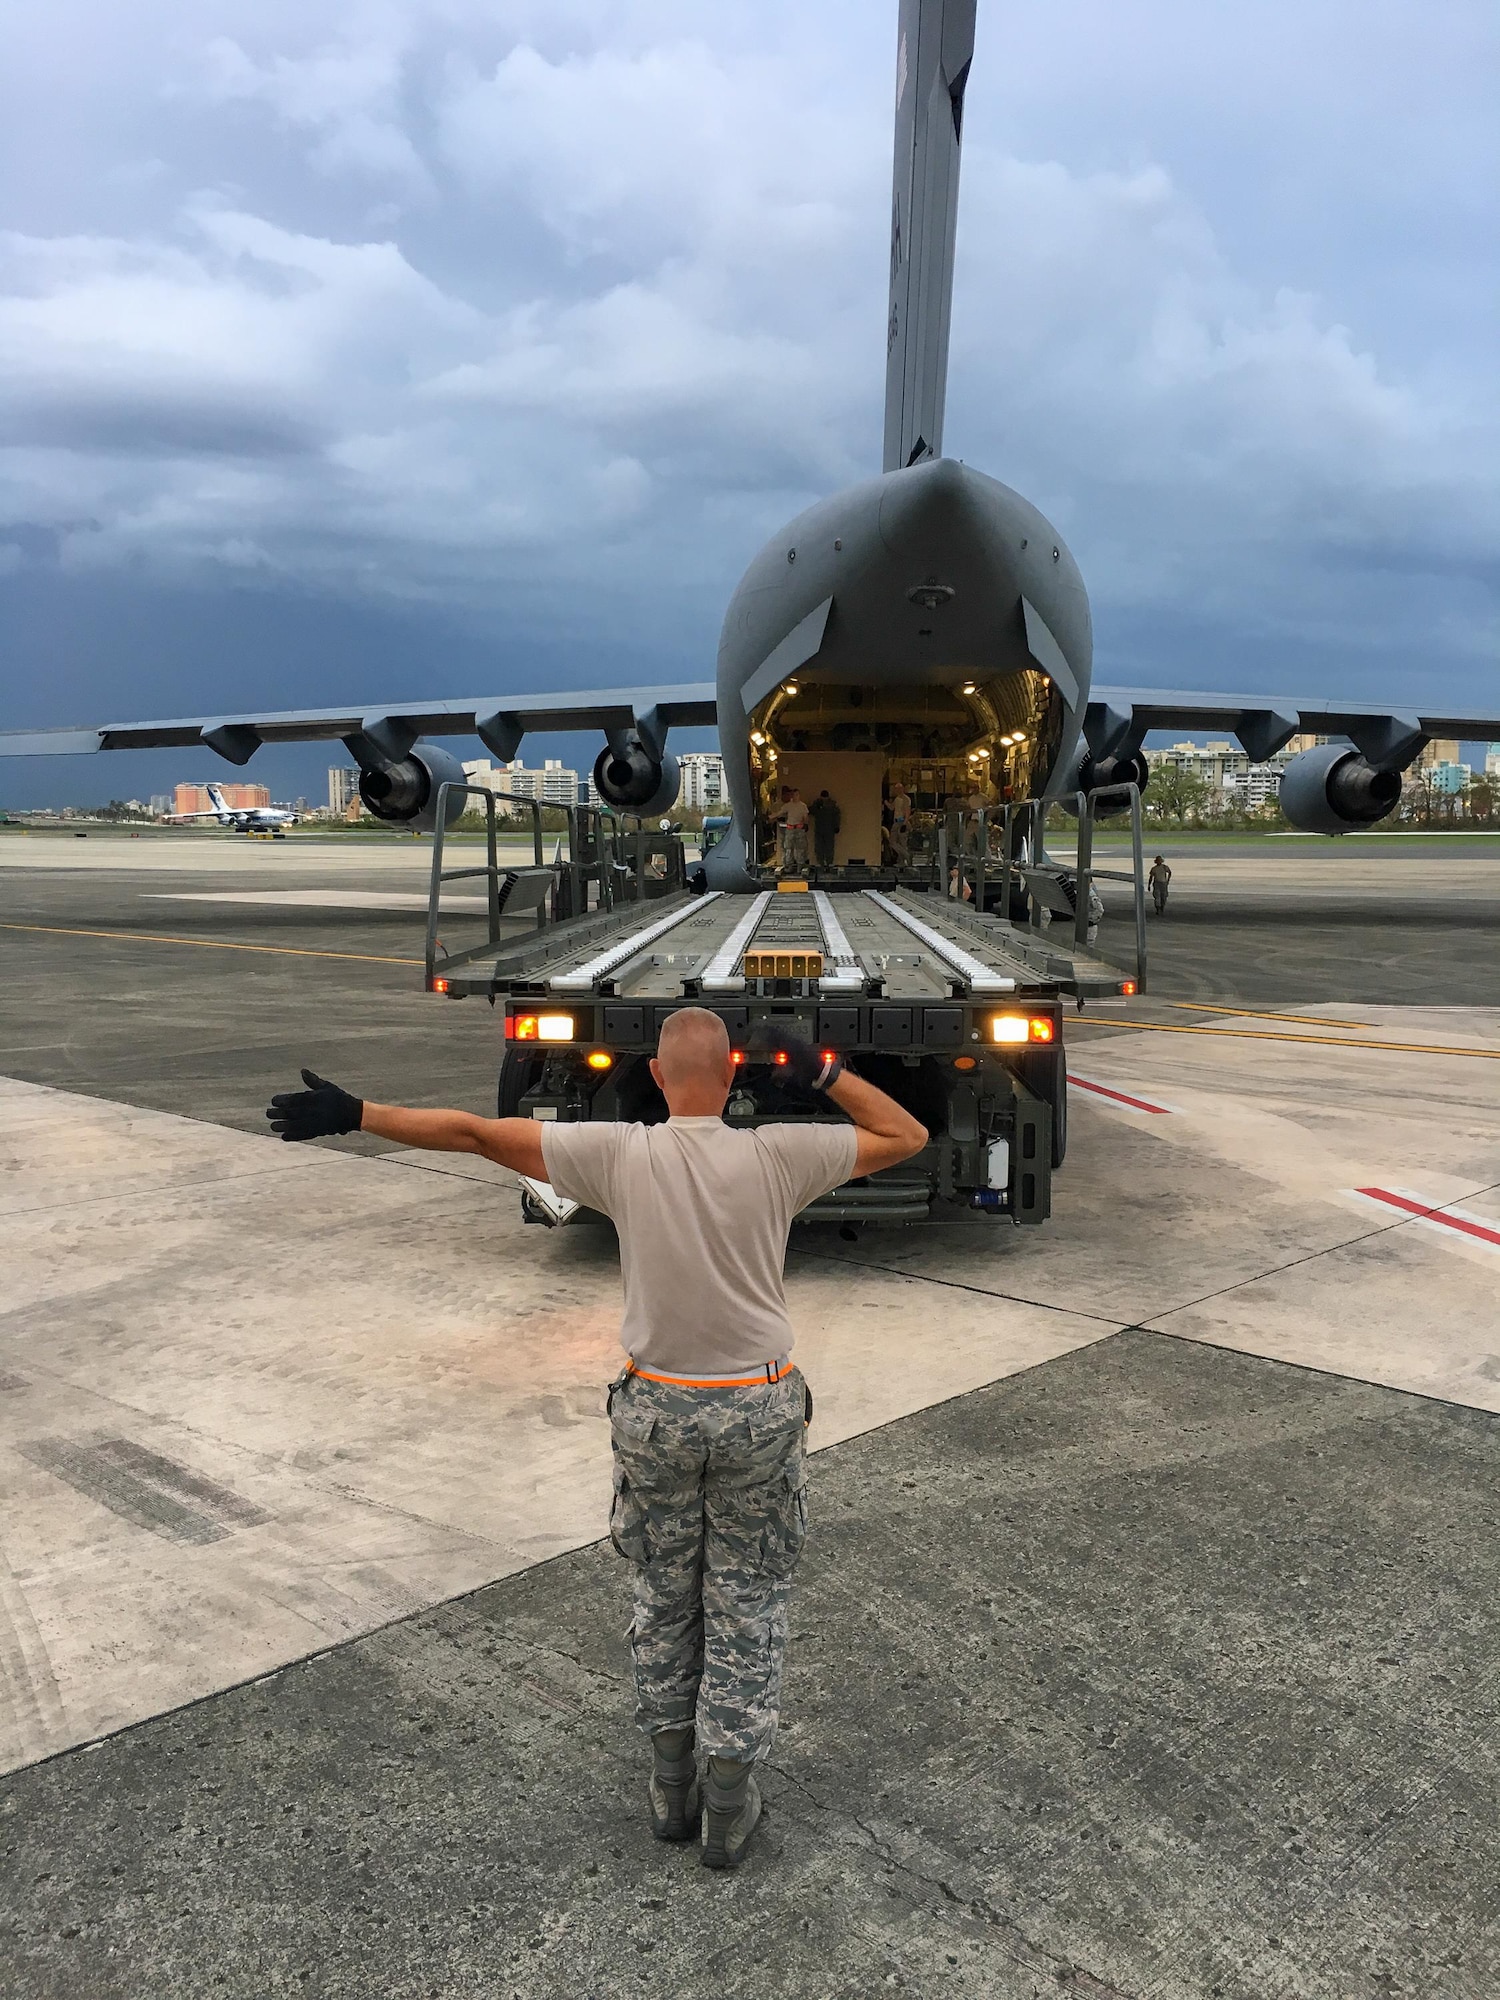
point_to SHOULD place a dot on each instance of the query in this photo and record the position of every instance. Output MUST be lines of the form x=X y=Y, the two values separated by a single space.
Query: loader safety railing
x=996 y=856
x=599 y=859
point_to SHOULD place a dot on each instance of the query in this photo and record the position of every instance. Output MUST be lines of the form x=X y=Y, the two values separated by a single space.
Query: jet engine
x=1105 y=778
x=1331 y=789
x=405 y=793
x=631 y=780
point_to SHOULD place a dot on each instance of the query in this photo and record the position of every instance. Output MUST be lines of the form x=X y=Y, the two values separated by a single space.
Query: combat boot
x=674 y=1785
x=731 y=1812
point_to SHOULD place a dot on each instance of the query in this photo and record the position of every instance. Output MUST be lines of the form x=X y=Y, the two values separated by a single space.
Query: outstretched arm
x=322 y=1111
x=513 y=1142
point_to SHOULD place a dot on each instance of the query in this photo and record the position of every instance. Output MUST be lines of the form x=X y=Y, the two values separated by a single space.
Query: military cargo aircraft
x=928 y=627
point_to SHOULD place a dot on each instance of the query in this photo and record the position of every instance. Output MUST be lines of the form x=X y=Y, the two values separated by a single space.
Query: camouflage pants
x=710 y=1506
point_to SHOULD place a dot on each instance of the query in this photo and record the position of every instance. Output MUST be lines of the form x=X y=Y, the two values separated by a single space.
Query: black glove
x=798 y=1061
x=319 y=1112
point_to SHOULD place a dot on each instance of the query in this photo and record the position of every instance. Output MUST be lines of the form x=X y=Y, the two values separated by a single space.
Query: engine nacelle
x=633 y=781
x=1105 y=778
x=405 y=794
x=1331 y=789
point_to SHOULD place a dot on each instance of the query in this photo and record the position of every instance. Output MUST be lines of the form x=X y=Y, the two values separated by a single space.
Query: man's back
x=703 y=1213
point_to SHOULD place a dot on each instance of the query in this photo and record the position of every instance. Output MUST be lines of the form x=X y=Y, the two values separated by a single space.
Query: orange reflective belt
x=771 y=1372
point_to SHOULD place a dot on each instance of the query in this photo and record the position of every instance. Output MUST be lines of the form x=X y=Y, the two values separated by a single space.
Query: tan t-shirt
x=703 y=1213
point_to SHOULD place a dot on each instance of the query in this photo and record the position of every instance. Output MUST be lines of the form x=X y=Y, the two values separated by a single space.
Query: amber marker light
x=966 y=1062
x=1042 y=1030
x=600 y=1059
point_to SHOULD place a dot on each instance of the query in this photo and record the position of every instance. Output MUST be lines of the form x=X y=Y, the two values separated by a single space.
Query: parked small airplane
x=243 y=819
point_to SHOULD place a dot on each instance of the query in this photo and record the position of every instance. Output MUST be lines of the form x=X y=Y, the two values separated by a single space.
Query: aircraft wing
x=1117 y=719
x=499 y=721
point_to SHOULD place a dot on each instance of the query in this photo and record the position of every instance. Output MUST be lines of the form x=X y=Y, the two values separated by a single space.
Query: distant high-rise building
x=161 y=804
x=195 y=799
x=1448 y=777
x=554 y=784
x=343 y=788
x=1440 y=750
x=1492 y=761
x=703 y=787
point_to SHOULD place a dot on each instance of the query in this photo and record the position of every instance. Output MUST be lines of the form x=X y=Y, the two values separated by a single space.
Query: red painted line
x=1459 y=1222
x=1119 y=1096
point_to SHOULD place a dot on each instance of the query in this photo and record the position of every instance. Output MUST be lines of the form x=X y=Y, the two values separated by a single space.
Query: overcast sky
x=373 y=351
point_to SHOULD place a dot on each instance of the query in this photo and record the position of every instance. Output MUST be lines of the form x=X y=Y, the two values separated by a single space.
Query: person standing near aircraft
x=826 y=821
x=708 y=1417
x=1158 y=881
x=794 y=821
x=900 y=833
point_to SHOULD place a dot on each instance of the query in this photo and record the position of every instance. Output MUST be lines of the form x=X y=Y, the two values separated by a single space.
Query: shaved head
x=692 y=1049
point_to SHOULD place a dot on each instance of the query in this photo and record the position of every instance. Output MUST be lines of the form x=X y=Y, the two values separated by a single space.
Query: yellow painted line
x=210 y=944
x=1254 y=1014
x=1326 y=1041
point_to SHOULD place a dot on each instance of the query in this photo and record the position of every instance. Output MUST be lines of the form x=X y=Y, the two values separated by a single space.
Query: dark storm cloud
x=140 y=427
x=484 y=319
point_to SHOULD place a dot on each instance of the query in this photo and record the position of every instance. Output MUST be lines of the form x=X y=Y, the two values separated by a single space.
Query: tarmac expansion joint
x=1065 y=1975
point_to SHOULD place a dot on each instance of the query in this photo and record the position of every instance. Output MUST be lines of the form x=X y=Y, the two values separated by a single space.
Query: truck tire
x=1060 y=1111
x=519 y=1070
x=1046 y=1076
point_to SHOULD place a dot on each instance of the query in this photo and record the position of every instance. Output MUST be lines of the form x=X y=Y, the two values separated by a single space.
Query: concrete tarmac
x=1145 y=1642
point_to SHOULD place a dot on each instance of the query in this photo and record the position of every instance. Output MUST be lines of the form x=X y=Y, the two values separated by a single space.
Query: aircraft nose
x=929 y=509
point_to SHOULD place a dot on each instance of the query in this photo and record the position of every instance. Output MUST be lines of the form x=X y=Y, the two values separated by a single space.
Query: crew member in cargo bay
x=708 y=1417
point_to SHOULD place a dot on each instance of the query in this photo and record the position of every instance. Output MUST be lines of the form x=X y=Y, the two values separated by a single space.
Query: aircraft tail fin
x=216 y=798
x=934 y=50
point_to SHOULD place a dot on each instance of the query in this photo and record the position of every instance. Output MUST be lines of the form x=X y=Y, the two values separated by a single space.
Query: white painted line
x=1122 y=1098
x=1447 y=1221
x=318 y=899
